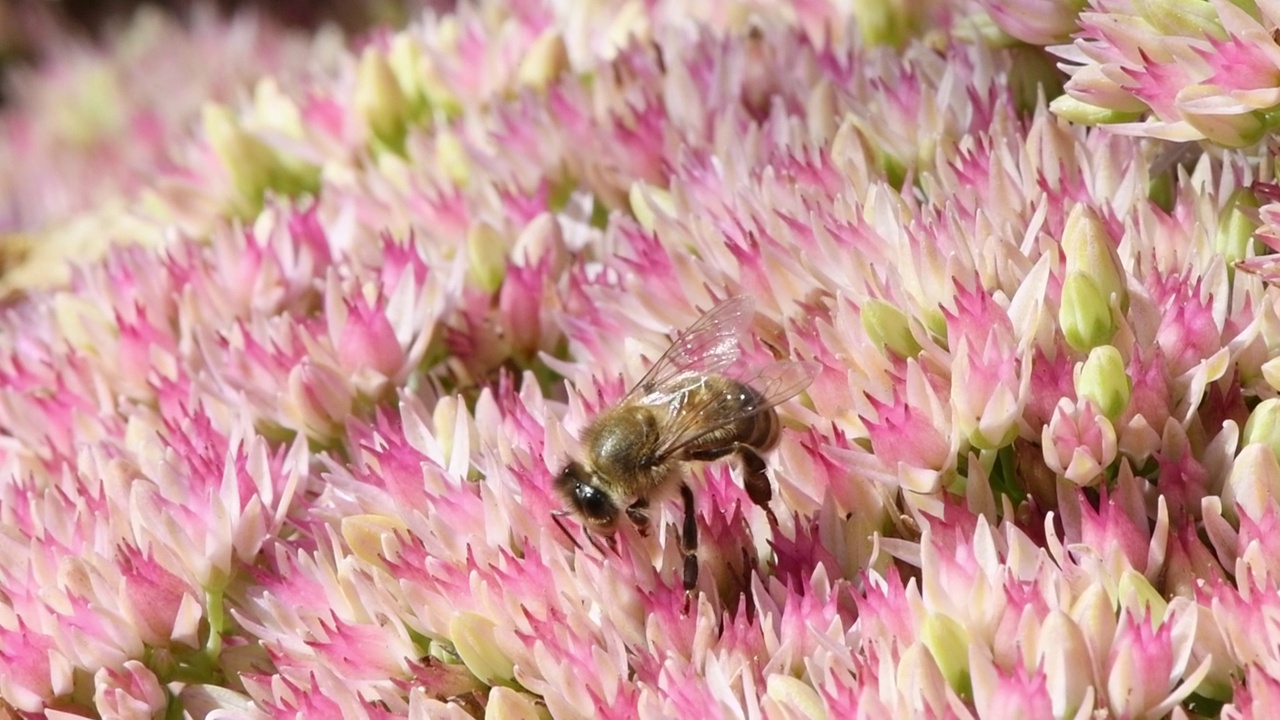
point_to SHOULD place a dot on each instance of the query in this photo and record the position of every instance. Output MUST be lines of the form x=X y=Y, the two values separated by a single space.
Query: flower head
x=296 y=452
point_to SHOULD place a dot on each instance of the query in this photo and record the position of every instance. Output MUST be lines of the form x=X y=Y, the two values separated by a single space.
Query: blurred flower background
x=301 y=318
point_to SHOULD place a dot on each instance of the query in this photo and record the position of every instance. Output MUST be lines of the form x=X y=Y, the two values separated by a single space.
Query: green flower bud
x=1263 y=426
x=796 y=695
x=1085 y=316
x=369 y=536
x=545 y=60
x=885 y=23
x=980 y=28
x=92 y=110
x=1089 y=249
x=1253 y=483
x=948 y=643
x=1104 y=381
x=274 y=109
x=1160 y=191
x=486 y=257
x=1271 y=372
x=473 y=638
x=249 y=161
x=381 y=102
x=506 y=704
x=440 y=96
x=406 y=63
x=1236 y=226
x=451 y=158
x=1083 y=113
x=1094 y=613
x=1135 y=593
x=1186 y=18
x=648 y=200
x=889 y=328
x=935 y=322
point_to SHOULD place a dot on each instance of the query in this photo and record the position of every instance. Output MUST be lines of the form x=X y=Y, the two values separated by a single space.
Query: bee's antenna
x=595 y=543
x=555 y=516
x=591 y=538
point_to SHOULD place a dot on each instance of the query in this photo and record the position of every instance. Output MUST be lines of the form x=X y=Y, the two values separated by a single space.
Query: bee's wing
x=694 y=415
x=708 y=347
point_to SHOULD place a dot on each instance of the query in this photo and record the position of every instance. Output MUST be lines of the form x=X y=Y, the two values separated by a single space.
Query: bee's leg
x=638 y=514
x=689 y=545
x=755 y=477
x=755 y=480
x=749 y=565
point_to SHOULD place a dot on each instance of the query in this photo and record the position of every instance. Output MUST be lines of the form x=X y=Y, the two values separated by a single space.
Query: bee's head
x=586 y=499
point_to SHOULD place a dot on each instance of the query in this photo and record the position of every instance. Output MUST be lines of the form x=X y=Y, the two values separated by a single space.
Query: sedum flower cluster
x=1173 y=69
x=294 y=347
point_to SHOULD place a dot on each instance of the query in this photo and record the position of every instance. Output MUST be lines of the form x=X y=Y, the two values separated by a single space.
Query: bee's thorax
x=623 y=445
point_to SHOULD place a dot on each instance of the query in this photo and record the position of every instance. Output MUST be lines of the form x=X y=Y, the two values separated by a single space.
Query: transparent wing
x=707 y=347
x=695 y=413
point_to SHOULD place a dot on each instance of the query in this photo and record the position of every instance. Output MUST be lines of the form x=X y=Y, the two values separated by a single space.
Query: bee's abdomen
x=760 y=430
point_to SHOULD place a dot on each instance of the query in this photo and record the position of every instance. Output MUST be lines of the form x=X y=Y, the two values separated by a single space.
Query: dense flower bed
x=283 y=440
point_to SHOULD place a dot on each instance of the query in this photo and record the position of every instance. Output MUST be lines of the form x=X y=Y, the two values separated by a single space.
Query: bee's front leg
x=755 y=480
x=689 y=545
x=638 y=514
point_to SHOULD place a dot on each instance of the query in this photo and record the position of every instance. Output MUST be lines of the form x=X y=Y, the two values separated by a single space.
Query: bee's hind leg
x=755 y=480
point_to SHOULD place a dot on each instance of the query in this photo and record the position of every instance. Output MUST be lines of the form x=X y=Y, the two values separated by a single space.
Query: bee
x=697 y=403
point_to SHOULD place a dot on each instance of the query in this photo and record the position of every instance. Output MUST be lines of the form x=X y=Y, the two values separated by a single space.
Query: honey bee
x=695 y=404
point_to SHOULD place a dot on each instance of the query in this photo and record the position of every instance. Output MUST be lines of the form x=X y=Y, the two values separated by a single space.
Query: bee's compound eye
x=590 y=502
x=593 y=502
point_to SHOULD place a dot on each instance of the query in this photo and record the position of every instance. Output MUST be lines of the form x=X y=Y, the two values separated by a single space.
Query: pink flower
x=132 y=691
x=1190 y=563
x=1138 y=430
x=368 y=342
x=990 y=398
x=907 y=436
x=521 y=308
x=1116 y=535
x=33 y=668
x=1146 y=660
x=1188 y=332
x=157 y=602
x=1051 y=380
x=1079 y=443
x=1000 y=694
x=1256 y=693
x=313 y=694
x=1257 y=539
